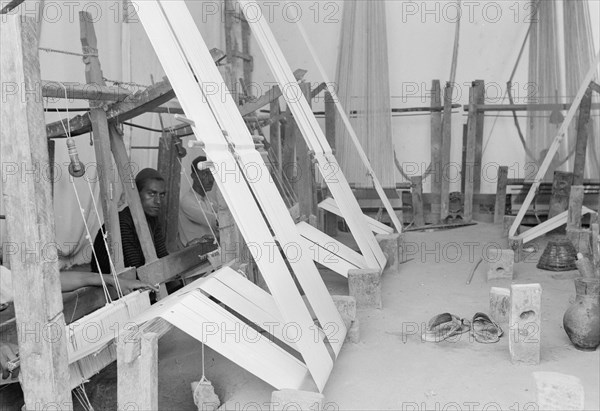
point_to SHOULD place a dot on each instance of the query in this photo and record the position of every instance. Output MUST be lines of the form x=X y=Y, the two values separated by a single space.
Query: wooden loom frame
x=314 y=137
x=87 y=356
x=353 y=137
x=183 y=55
x=537 y=231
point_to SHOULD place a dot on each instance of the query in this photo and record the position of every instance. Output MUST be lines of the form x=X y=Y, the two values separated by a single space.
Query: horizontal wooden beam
x=147 y=100
x=133 y=105
x=247 y=108
x=270 y=95
x=164 y=269
x=525 y=107
x=420 y=109
x=547 y=186
x=79 y=91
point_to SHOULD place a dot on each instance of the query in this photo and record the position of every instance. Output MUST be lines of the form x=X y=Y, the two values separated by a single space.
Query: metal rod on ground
x=473 y=270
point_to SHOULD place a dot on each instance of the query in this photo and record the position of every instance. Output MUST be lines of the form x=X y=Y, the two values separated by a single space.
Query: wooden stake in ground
x=417 y=200
x=446 y=143
x=500 y=207
x=470 y=158
x=436 y=151
x=30 y=222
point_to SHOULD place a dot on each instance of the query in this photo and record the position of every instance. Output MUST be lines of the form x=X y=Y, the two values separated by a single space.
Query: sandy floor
x=391 y=368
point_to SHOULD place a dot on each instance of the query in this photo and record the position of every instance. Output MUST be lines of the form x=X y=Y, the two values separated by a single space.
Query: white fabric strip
x=253 y=167
x=229 y=178
x=376 y=226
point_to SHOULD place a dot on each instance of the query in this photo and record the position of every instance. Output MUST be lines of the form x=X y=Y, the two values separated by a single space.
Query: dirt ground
x=391 y=368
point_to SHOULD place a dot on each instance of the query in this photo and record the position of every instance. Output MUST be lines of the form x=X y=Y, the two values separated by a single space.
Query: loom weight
x=204 y=395
x=204 y=392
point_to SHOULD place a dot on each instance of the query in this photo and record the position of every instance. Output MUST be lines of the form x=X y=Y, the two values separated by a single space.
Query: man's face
x=205 y=182
x=151 y=196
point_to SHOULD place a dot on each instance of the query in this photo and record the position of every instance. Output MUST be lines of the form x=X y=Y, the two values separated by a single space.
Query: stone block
x=390 y=245
x=288 y=400
x=365 y=286
x=346 y=305
x=353 y=335
x=525 y=322
x=500 y=264
x=500 y=304
x=557 y=391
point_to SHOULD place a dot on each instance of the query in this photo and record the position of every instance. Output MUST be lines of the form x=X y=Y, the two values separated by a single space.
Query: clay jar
x=582 y=319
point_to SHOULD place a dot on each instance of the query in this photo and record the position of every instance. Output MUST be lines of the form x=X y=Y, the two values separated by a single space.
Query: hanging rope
x=113 y=269
x=283 y=181
x=509 y=85
x=81 y=395
x=82 y=211
x=509 y=93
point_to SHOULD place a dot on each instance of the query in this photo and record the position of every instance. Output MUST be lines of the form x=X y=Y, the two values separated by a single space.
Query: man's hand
x=8 y=353
x=129 y=286
x=206 y=238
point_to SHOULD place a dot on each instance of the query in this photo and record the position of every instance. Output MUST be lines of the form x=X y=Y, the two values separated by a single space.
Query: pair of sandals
x=444 y=326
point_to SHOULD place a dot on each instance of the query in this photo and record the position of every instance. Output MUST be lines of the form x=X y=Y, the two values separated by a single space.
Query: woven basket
x=559 y=255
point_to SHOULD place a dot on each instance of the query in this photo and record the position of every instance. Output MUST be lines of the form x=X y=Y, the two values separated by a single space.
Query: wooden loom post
x=30 y=223
x=137 y=370
x=124 y=166
x=554 y=146
x=51 y=160
x=463 y=164
x=234 y=46
x=248 y=62
x=445 y=155
x=575 y=204
x=288 y=151
x=108 y=199
x=469 y=166
x=275 y=135
x=479 y=95
x=132 y=195
x=306 y=178
x=137 y=365
x=561 y=190
x=500 y=207
x=417 y=201
x=436 y=151
x=170 y=168
x=330 y=223
x=583 y=129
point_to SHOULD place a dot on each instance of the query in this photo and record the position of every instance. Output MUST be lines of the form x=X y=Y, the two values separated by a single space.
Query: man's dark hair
x=145 y=175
